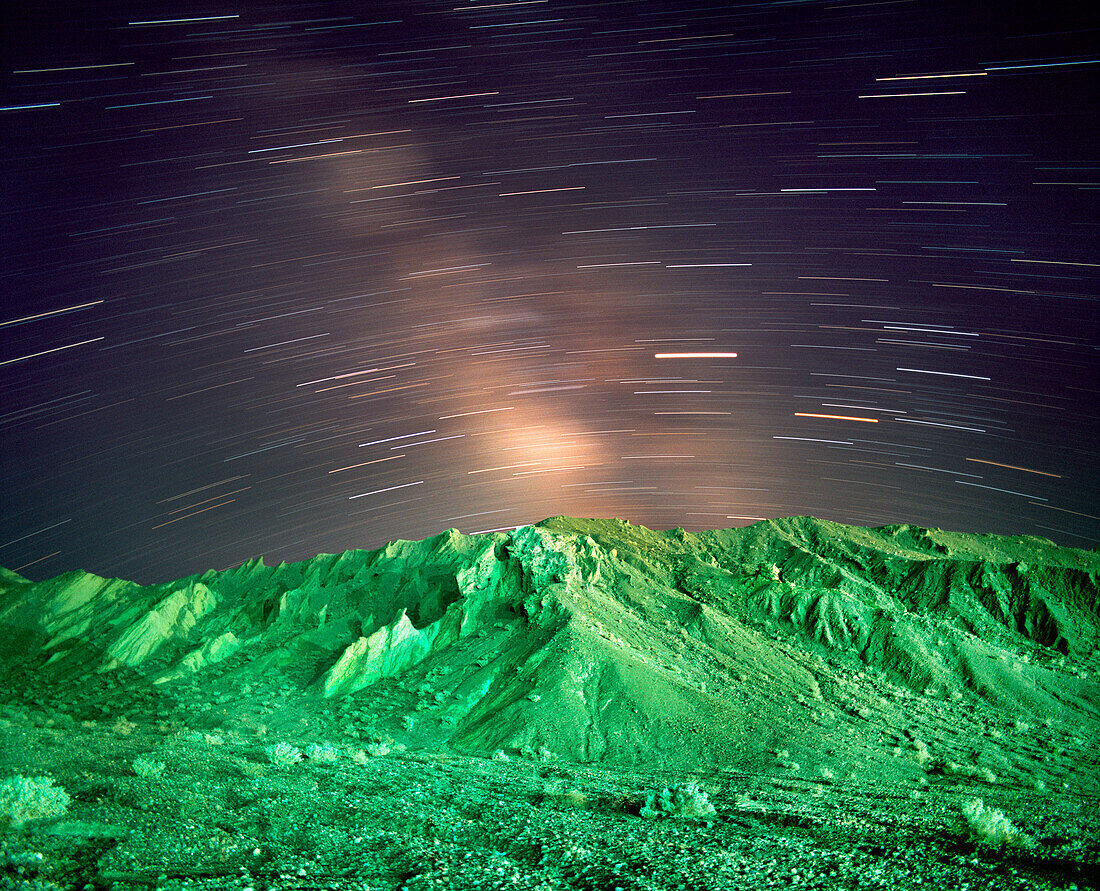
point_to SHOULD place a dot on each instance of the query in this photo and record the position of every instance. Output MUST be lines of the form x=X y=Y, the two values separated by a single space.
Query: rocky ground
x=163 y=806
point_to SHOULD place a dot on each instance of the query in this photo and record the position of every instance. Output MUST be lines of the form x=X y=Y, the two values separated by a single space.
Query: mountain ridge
x=591 y=640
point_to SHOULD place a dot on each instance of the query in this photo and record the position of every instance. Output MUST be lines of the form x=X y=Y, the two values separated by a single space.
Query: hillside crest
x=591 y=639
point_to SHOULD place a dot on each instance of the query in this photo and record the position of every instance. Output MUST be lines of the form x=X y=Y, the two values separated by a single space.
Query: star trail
x=289 y=278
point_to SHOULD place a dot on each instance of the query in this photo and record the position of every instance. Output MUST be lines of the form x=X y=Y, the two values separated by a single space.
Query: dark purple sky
x=287 y=278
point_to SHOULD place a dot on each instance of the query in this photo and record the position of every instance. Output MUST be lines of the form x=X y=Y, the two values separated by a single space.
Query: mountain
x=794 y=644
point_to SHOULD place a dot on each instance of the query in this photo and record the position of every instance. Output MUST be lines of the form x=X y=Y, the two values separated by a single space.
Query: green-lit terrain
x=840 y=694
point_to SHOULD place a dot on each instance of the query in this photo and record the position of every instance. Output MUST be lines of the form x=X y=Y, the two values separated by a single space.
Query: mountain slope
x=789 y=643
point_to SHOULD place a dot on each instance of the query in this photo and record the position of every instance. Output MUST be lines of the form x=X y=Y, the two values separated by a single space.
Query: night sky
x=288 y=278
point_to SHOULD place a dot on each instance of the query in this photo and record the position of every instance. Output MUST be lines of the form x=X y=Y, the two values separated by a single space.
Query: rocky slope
x=794 y=644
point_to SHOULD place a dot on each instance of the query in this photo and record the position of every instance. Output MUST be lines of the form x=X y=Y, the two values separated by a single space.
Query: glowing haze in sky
x=282 y=278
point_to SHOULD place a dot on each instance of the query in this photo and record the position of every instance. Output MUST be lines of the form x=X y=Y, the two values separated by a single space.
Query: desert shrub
x=148 y=768
x=23 y=799
x=990 y=826
x=681 y=800
x=283 y=754
x=322 y=754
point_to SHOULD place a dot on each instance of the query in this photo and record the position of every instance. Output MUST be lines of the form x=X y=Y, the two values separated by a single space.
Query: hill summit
x=793 y=643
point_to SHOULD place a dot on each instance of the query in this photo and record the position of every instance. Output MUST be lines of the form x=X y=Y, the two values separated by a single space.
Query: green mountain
x=794 y=644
